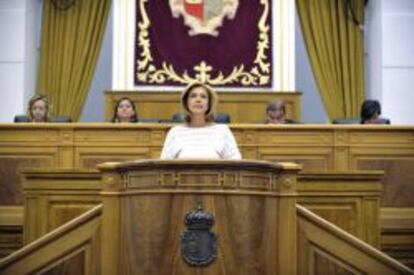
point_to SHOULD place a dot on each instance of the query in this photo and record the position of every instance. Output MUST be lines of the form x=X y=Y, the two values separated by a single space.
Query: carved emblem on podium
x=198 y=243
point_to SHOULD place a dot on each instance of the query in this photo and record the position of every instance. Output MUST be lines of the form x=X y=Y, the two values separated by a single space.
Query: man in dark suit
x=276 y=113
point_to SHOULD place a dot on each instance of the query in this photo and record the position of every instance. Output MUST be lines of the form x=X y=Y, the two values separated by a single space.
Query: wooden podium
x=146 y=204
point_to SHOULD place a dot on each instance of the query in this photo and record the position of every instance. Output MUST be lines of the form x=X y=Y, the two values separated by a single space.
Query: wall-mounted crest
x=234 y=52
x=204 y=16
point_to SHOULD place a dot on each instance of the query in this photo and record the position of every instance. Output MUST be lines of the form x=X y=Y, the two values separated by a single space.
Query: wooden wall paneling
x=350 y=200
x=246 y=141
x=149 y=104
x=22 y=145
x=303 y=248
x=398 y=165
x=341 y=159
x=66 y=147
x=311 y=159
x=155 y=104
x=42 y=220
x=392 y=152
x=117 y=143
x=115 y=134
x=371 y=219
x=11 y=239
x=157 y=141
x=11 y=229
x=341 y=150
x=293 y=134
x=13 y=160
x=34 y=215
x=236 y=105
x=54 y=211
x=343 y=212
x=397 y=236
x=28 y=134
x=375 y=135
x=74 y=263
x=66 y=156
x=89 y=158
x=61 y=209
x=323 y=263
x=54 y=197
x=281 y=143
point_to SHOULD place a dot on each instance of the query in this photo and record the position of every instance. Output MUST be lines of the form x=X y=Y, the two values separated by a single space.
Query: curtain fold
x=335 y=46
x=70 y=44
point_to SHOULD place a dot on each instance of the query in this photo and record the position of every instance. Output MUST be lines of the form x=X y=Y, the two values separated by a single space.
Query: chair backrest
x=383 y=120
x=352 y=120
x=21 y=118
x=57 y=119
x=149 y=120
x=60 y=119
x=222 y=118
x=218 y=118
x=291 y=121
x=357 y=120
x=177 y=117
x=287 y=121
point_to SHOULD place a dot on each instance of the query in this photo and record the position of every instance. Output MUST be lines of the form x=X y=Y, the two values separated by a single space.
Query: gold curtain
x=336 y=51
x=70 y=45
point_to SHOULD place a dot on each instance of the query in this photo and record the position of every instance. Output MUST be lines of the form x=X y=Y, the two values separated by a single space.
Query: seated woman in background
x=125 y=111
x=276 y=113
x=38 y=109
x=371 y=111
x=200 y=137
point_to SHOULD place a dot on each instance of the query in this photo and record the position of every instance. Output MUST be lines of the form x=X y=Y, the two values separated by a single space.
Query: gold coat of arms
x=204 y=16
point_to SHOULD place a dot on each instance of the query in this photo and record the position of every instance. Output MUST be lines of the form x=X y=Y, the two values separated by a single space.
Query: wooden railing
x=73 y=248
x=323 y=248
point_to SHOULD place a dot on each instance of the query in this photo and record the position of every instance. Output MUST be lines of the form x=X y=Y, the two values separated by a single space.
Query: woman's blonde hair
x=32 y=101
x=212 y=101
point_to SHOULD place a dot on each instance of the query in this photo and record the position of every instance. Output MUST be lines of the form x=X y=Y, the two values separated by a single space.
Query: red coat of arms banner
x=219 y=42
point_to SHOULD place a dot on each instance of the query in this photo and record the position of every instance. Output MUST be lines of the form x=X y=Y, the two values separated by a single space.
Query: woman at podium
x=199 y=137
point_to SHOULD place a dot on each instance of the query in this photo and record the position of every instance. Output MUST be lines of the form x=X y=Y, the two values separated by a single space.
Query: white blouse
x=210 y=142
